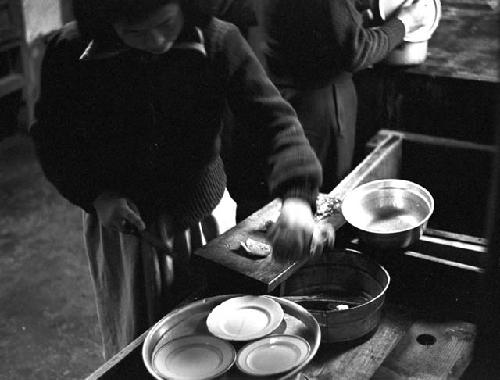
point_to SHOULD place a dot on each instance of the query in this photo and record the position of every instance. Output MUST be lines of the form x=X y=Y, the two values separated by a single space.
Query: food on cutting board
x=256 y=248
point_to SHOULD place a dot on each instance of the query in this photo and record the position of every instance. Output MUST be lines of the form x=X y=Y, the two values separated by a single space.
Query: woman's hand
x=295 y=234
x=117 y=213
x=412 y=14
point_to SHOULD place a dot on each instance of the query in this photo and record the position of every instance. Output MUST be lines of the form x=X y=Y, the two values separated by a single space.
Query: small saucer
x=272 y=355
x=245 y=318
x=193 y=357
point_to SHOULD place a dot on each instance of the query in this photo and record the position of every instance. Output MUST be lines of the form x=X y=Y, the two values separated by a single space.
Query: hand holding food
x=295 y=234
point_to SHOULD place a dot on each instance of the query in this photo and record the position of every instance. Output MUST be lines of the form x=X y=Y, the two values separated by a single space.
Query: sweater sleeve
x=294 y=170
x=238 y=12
x=362 y=46
x=60 y=136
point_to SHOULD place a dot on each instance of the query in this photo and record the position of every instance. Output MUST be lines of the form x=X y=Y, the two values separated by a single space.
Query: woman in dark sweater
x=312 y=46
x=128 y=128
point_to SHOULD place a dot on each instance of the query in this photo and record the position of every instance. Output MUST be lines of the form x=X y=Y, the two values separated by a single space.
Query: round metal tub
x=344 y=290
x=191 y=319
x=388 y=213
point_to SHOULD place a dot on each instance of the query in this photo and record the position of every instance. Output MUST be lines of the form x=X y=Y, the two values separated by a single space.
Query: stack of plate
x=254 y=318
x=249 y=323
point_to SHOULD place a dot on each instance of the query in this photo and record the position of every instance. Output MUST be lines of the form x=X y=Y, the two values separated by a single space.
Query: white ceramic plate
x=245 y=318
x=193 y=357
x=272 y=355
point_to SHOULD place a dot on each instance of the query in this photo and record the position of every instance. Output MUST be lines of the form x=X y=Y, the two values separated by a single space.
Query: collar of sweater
x=191 y=38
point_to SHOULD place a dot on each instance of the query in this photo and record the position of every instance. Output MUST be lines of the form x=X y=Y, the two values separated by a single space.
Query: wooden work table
x=406 y=344
x=427 y=328
x=465 y=45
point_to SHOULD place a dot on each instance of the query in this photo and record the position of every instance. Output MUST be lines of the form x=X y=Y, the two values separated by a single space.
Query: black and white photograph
x=249 y=189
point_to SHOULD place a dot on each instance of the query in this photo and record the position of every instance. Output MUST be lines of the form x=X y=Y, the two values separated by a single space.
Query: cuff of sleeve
x=405 y=22
x=395 y=29
x=303 y=192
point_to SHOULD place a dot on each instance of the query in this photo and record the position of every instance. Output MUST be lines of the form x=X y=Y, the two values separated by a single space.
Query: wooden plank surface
x=429 y=351
x=473 y=240
x=452 y=250
x=226 y=256
x=465 y=44
x=361 y=362
x=442 y=142
x=126 y=364
x=405 y=346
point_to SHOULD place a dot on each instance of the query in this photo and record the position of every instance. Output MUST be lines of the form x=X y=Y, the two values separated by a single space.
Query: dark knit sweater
x=148 y=127
x=310 y=42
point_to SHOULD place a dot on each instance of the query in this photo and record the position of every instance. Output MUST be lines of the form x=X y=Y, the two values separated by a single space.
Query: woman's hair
x=95 y=17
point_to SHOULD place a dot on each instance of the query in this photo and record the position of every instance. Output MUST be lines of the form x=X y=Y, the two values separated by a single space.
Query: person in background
x=128 y=128
x=238 y=12
x=312 y=46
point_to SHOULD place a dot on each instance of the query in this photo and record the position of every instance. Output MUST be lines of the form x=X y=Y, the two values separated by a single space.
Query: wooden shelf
x=11 y=83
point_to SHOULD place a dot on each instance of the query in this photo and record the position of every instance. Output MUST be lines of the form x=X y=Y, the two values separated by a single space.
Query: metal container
x=344 y=290
x=408 y=53
x=191 y=319
x=388 y=213
x=413 y=49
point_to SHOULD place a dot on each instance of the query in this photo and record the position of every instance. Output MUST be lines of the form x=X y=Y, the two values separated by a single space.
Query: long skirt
x=131 y=291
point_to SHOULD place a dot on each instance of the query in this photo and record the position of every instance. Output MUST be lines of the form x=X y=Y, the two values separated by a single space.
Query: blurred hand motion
x=323 y=238
x=296 y=234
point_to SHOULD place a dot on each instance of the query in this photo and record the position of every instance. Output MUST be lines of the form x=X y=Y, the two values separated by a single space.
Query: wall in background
x=40 y=18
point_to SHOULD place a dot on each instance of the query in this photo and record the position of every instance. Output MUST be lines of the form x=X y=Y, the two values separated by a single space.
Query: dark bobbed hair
x=95 y=17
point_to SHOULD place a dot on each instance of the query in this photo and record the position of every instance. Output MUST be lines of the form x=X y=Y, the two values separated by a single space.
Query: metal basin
x=344 y=290
x=388 y=213
x=191 y=320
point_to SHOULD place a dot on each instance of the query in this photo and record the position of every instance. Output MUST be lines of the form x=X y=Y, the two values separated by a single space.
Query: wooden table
x=406 y=344
x=427 y=328
x=465 y=45
x=426 y=331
